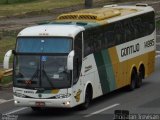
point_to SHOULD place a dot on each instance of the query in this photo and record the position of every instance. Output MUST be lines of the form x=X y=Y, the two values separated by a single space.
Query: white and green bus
x=83 y=55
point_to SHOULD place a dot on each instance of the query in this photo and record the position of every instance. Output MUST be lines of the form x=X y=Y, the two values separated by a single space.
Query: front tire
x=88 y=98
x=36 y=109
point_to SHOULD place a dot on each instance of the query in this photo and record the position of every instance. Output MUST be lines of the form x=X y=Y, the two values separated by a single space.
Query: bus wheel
x=133 y=81
x=139 y=80
x=36 y=109
x=88 y=98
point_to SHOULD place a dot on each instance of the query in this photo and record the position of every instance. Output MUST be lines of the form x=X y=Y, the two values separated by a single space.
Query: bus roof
x=70 y=24
x=103 y=15
x=58 y=30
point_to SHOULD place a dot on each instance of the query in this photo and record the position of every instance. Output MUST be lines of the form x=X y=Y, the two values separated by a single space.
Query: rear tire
x=139 y=80
x=132 y=85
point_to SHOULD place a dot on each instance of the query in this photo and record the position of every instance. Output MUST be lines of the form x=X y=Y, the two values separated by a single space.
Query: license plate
x=40 y=104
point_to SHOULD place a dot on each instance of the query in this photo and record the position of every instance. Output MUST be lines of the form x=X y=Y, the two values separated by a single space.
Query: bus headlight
x=62 y=96
x=19 y=95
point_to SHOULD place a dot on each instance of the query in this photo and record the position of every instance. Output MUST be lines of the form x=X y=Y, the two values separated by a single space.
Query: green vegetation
x=158 y=24
x=35 y=6
x=6 y=44
x=6 y=80
x=13 y=1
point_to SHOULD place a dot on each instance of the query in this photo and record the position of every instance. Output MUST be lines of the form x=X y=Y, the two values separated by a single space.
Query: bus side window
x=88 y=42
x=98 y=39
x=148 y=20
x=119 y=33
x=77 y=57
x=110 y=38
x=132 y=30
x=109 y=35
x=152 y=22
x=128 y=33
x=138 y=26
x=135 y=30
x=76 y=68
x=146 y=28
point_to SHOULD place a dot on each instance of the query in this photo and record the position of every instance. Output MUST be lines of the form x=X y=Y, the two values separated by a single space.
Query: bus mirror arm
x=13 y=52
x=70 y=60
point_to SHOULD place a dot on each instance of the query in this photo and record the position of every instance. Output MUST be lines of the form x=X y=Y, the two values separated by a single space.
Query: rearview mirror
x=70 y=60
x=6 y=59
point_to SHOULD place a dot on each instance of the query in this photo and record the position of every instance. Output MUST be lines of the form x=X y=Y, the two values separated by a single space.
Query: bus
x=83 y=55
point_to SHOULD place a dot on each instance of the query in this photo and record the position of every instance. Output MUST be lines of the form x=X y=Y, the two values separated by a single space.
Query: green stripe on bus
x=109 y=70
x=102 y=72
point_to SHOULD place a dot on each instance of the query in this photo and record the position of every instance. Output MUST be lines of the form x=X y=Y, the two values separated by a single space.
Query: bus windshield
x=37 y=68
x=43 y=45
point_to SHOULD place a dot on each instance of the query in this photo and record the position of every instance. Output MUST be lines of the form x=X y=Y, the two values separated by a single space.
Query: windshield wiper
x=49 y=81
x=36 y=74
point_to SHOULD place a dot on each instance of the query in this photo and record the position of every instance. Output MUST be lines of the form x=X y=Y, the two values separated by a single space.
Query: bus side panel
x=119 y=69
x=105 y=70
x=91 y=75
x=135 y=62
x=122 y=70
x=134 y=54
x=147 y=59
x=151 y=63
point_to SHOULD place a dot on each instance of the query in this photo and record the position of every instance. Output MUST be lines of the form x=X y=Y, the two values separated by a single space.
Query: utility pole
x=88 y=3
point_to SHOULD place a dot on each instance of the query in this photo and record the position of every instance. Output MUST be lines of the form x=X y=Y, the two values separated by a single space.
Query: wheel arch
x=132 y=81
x=142 y=68
x=133 y=68
x=88 y=84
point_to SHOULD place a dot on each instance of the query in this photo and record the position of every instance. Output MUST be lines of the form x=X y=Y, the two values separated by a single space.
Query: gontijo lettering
x=136 y=48
x=130 y=50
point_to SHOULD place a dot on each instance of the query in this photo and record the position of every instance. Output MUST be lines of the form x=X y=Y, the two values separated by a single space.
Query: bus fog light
x=16 y=102
x=67 y=103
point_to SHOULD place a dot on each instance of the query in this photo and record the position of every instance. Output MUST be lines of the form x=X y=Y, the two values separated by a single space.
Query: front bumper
x=30 y=102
